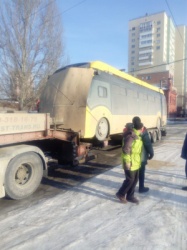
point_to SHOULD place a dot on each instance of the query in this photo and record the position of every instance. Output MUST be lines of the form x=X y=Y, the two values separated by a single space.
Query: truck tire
x=153 y=136
x=159 y=135
x=150 y=136
x=158 y=124
x=23 y=175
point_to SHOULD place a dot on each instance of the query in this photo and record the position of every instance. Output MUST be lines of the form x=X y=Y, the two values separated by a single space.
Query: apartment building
x=151 y=53
x=151 y=44
x=180 y=72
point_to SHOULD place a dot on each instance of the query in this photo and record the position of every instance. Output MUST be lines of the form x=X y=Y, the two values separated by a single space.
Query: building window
x=133 y=28
x=158 y=22
x=133 y=34
x=145 y=36
x=133 y=40
x=132 y=63
x=146 y=42
x=157 y=47
x=148 y=78
x=146 y=26
x=157 y=41
x=158 y=35
x=132 y=52
x=158 y=30
x=133 y=46
x=145 y=55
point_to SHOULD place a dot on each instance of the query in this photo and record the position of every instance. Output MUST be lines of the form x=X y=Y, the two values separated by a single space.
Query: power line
x=37 y=11
x=41 y=8
x=66 y=10
x=163 y=64
x=174 y=20
x=72 y=7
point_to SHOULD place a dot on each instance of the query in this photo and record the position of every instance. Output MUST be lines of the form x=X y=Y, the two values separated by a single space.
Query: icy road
x=89 y=216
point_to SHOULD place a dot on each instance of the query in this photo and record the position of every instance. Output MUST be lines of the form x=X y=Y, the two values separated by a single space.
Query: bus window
x=99 y=94
x=102 y=91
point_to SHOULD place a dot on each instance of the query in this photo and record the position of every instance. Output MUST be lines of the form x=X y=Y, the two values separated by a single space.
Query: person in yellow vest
x=184 y=156
x=131 y=162
x=147 y=154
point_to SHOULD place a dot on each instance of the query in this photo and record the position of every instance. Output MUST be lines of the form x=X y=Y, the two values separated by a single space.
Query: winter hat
x=136 y=119
x=138 y=125
x=137 y=122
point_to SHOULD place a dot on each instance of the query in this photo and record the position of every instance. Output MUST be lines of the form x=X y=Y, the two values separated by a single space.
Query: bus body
x=98 y=100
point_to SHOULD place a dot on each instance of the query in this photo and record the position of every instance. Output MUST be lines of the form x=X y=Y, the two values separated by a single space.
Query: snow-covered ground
x=89 y=216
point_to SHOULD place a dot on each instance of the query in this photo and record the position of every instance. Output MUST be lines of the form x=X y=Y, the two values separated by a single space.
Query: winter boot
x=133 y=200
x=143 y=190
x=121 y=198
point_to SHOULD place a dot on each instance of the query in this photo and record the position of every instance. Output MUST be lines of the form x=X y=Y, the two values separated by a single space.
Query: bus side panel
x=124 y=101
x=98 y=104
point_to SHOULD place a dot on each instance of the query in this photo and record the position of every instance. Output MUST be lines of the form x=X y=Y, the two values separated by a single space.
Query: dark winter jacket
x=147 y=152
x=184 y=149
x=131 y=150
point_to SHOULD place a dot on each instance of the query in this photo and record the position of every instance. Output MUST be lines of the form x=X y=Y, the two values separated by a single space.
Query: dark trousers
x=129 y=184
x=186 y=168
x=142 y=175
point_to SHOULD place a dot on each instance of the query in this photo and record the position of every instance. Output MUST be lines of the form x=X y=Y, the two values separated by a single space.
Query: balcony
x=145 y=63
x=150 y=50
x=148 y=57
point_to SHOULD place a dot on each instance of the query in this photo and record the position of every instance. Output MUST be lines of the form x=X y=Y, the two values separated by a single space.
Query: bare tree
x=31 y=47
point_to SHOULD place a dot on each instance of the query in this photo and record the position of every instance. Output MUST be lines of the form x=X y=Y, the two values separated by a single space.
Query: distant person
x=37 y=105
x=147 y=153
x=184 y=156
x=131 y=162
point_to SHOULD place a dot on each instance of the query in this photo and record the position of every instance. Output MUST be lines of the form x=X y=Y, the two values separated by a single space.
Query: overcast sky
x=98 y=29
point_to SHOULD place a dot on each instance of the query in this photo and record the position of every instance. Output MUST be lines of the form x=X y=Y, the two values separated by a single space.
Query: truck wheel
x=150 y=136
x=102 y=129
x=153 y=136
x=23 y=175
x=159 y=135
x=158 y=124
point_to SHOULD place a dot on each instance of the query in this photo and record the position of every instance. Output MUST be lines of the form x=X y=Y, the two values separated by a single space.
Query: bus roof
x=107 y=68
x=98 y=65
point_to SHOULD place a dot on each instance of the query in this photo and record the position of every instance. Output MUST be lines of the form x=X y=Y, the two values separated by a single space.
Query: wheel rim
x=23 y=174
x=102 y=129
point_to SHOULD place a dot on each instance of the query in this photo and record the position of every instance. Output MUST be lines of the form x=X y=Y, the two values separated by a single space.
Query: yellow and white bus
x=98 y=100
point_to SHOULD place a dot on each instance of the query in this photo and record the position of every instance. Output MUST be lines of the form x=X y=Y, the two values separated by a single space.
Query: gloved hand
x=150 y=156
x=127 y=165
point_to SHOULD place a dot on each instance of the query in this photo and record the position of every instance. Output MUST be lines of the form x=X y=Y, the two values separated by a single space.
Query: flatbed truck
x=28 y=141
